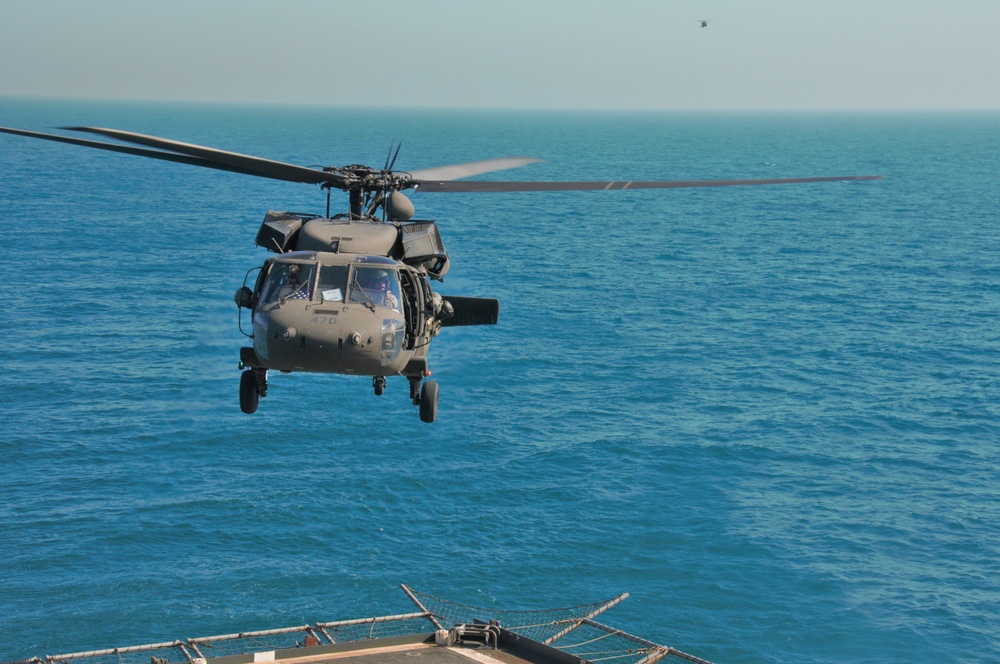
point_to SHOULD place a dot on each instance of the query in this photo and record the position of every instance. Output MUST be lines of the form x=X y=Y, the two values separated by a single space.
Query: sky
x=544 y=54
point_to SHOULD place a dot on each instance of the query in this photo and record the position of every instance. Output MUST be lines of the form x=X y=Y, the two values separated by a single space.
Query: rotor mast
x=357 y=203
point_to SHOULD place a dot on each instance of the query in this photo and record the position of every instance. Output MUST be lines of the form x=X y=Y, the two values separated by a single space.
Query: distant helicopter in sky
x=703 y=23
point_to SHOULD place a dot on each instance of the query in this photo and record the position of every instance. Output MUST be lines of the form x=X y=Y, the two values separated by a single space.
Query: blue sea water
x=770 y=414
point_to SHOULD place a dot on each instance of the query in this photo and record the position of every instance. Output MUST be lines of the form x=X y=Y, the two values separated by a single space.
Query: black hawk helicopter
x=351 y=293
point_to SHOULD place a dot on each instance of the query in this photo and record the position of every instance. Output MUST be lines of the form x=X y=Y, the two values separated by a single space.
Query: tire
x=428 y=401
x=249 y=394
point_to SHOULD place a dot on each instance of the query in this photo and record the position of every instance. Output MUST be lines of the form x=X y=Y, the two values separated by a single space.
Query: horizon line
x=554 y=109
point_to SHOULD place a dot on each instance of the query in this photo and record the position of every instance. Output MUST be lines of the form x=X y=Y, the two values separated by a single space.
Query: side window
x=269 y=286
x=332 y=282
x=261 y=287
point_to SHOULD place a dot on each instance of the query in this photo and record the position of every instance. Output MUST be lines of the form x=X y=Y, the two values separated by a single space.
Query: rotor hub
x=366 y=180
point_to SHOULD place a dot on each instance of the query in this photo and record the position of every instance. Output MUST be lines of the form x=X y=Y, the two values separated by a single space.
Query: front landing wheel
x=428 y=401
x=249 y=392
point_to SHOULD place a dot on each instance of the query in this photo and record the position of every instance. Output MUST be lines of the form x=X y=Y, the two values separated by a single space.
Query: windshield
x=376 y=286
x=332 y=282
x=288 y=281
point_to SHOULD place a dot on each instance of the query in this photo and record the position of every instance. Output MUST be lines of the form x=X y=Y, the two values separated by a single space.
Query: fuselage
x=342 y=313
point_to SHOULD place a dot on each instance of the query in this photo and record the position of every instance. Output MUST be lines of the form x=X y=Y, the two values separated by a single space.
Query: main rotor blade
x=126 y=149
x=250 y=165
x=468 y=169
x=450 y=186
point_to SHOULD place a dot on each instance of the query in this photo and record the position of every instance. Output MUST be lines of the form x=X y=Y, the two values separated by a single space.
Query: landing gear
x=253 y=385
x=425 y=396
x=248 y=392
x=378 y=382
x=429 y=401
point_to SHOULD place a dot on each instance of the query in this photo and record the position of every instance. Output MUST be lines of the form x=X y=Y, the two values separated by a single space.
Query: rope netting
x=538 y=625
x=377 y=628
x=154 y=653
x=598 y=643
x=570 y=629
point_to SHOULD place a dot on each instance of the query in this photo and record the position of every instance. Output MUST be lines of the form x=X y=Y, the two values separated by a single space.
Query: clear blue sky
x=639 y=54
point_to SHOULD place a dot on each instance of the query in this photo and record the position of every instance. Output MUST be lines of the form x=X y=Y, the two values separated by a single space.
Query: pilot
x=294 y=288
x=382 y=285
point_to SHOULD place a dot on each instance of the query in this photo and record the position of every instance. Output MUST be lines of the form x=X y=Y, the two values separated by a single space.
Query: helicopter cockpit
x=371 y=282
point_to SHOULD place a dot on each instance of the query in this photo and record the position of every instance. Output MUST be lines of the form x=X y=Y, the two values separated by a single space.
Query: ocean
x=770 y=414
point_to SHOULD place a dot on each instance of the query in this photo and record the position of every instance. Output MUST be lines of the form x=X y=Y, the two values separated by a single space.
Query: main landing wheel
x=378 y=382
x=249 y=392
x=428 y=401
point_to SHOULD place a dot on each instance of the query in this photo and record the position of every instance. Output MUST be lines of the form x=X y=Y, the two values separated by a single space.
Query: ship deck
x=441 y=632
x=425 y=649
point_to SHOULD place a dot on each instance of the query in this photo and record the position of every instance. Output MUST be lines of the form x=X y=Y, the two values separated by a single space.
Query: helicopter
x=350 y=293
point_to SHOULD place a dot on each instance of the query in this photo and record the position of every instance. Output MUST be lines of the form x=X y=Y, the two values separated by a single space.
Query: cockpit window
x=288 y=281
x=332 y=282
x=376 y=286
